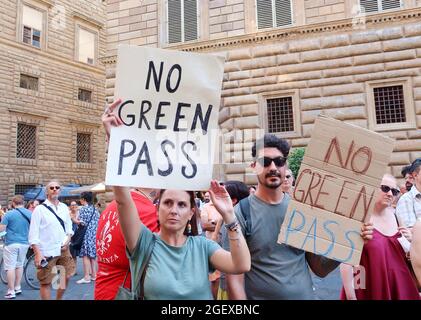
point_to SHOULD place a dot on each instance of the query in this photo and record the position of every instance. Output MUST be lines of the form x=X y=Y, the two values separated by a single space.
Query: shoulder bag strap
x=58 y=218
x=92 y=215
x=125 y=277
x=142 y=279
x=26 y=218
x=139 y=284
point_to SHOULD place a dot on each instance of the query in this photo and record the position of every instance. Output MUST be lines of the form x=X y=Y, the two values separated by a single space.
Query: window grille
x=83 y=152
x=22 y=188
x=26 y=141
x=390 y=104
x=280 y=115
x=28 y=82
x=84 y=95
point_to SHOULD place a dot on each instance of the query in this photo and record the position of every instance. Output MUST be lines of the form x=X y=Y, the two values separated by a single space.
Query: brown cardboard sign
x=335 y=190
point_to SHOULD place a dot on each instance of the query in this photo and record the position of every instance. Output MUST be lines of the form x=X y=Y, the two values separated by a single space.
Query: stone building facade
x=52 y=85
x=288 y=61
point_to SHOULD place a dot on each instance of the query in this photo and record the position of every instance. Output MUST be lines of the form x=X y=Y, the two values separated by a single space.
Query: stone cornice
x=109 y=59
x=26 y=113
x=288 y=33
x=90 y=20
x=53 y=57
x=293 y=32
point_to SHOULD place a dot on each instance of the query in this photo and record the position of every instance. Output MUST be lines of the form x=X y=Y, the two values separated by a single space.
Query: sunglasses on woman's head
x=56 y=187
x=386 y=189
x=266 y=161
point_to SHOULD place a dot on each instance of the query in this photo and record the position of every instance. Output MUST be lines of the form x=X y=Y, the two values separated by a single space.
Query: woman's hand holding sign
x=110 y=119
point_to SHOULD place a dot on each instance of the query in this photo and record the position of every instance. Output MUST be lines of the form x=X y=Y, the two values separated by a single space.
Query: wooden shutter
x=27 y=32
x=391 y=4
x=264 y=14
x=174 y=21
x=369 y=6
x=190 y=20
x=283 y=12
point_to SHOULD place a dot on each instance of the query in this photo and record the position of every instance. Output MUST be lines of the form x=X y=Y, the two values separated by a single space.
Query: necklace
x=145 y=195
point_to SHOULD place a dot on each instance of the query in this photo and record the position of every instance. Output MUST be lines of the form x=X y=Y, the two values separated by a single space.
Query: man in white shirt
x=49 y=234
x=408 y=208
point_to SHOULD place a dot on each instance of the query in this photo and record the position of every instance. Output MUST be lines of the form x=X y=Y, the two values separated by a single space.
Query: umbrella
x=99 y=187
x=38 y=193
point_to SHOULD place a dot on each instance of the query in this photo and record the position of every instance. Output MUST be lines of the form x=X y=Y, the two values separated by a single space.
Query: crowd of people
x=220 y=243
x=46 y=229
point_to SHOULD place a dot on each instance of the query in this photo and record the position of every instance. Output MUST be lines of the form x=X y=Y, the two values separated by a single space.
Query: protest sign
x=335 y=190
x=169 y=109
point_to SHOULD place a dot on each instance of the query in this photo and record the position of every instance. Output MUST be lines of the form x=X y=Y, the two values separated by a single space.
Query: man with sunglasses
x=408 y=208
x=278 y=271
x=49 y=234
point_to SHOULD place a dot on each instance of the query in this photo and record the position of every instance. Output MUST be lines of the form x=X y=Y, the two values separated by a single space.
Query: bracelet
x=232 y=226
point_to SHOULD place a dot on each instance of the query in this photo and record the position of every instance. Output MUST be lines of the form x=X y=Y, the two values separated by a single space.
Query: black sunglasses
x=386 y=189
x=56 y=187
x=266 y=161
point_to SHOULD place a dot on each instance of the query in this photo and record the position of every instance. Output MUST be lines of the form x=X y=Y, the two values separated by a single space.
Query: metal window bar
x=28 y=82
x=84 y=95
x=389 y=104
x=83 y=152
x=26 y=141
x=280 y=115
x=22 y=188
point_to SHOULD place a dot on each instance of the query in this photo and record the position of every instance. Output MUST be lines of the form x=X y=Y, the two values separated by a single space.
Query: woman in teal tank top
x=179 y=264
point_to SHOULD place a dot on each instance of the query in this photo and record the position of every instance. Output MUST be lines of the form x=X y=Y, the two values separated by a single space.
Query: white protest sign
x=170 y=105
x=335 y=190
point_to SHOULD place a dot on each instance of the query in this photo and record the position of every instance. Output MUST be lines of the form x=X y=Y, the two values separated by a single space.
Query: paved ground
x=327 y=288
x=74 y=291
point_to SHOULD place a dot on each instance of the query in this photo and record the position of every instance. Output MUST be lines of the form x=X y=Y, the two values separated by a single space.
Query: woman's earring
x=189 y=228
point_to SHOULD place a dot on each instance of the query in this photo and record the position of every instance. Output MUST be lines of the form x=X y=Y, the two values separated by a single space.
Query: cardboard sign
x=335 y=190
x=170 y=105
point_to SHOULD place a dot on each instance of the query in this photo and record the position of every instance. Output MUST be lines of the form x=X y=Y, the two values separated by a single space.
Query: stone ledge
x=26 y=113
x=90 y=20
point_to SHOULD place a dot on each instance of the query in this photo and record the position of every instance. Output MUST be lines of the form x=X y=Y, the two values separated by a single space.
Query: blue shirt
x=175 y=273
x=17 y=227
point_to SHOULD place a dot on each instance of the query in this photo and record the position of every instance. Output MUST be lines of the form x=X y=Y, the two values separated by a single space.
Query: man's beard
x=408 y=186
x=271 y=185
x=54 y=197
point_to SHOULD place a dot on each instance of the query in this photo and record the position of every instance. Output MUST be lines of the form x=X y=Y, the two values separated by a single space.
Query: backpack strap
x=245 y=212
x=58 y=218
x=26 y=218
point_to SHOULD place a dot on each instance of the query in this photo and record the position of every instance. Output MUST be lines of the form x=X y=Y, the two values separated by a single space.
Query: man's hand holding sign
x=334 y=190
